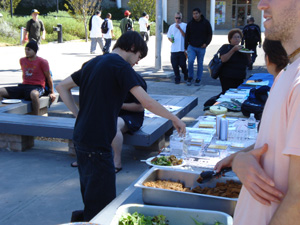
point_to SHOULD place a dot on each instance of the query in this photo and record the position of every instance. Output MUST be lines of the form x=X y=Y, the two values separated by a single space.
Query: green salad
x=166 y=161
x=140 y=219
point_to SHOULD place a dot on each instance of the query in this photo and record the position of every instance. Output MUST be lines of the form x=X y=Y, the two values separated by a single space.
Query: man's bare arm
x=51 y=86
x=153 y=106
x=288 y=212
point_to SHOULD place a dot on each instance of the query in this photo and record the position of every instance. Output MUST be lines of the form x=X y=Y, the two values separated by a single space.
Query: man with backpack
x=34 y=27
x=107 y=30
x=96 y=34
x=36 y=75
x=126 y=23
x=251 y=35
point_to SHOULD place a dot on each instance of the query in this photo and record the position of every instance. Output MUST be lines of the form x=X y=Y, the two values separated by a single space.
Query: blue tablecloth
x=257 y=76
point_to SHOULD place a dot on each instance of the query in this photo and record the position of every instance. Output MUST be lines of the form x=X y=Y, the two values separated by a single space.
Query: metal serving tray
x=157 y=196
x=175 y=216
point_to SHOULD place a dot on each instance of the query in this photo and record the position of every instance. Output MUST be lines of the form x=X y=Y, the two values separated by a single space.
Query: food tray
x=164 y=197
x=175 y=216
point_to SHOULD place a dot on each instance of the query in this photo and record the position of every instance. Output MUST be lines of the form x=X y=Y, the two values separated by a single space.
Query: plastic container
x=179 y=144
x=252 y=127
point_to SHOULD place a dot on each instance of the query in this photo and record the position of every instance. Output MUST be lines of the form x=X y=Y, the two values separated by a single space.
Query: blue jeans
x=192 y=53
x=94 y=42
x=97 y=178
x=107 y=45
x=178 y=60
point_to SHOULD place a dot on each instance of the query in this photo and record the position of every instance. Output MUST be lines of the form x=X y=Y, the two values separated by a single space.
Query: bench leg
x=156 y=146
x=16 y=142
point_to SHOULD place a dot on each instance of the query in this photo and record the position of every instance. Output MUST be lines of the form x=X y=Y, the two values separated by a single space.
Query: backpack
x=90 y=23
x=104 y=26
x=128 y=26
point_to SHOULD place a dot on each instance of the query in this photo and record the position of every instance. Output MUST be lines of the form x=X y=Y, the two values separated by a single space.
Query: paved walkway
x=38 y=186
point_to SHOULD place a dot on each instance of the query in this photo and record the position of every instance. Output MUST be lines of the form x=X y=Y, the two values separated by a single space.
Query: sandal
x=117 y=170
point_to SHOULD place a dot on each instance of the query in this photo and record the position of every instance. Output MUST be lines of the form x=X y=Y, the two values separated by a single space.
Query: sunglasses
x=177 y=18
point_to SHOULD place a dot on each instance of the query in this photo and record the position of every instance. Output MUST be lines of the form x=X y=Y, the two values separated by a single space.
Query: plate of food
x=246 y=50
x=165 y=161
x=11 y=101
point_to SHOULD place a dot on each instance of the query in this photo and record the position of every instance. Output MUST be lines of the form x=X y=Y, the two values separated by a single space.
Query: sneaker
x=189 y=82
x=177 y=82
x=93 y=52
x=197 y=82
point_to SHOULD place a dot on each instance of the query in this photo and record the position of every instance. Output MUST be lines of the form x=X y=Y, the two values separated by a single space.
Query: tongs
x=206 y=176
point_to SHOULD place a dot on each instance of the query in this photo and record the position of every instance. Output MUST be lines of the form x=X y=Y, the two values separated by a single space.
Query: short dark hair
x=251 y=19
x=144 y=14
x=98 y=12
x=276 y=54
x=234 y=31
x=197 y=9
x=132 y=39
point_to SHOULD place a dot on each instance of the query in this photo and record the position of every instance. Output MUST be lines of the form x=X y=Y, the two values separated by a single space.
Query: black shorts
x=132 y=122
x=22 y=91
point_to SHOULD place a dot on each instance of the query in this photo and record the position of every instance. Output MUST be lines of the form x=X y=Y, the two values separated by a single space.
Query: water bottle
x=251 y=127
x=172 y=37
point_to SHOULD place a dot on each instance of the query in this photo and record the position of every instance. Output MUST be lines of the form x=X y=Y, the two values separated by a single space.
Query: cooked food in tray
x=230 y=189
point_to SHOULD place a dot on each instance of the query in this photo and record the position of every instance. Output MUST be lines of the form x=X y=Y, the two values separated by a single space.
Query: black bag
x=215 y=65
x=128 y=26
x=256 y=101
x=104 y=26
x=90 y=23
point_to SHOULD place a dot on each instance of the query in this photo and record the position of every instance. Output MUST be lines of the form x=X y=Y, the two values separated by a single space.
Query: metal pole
x=57 y=6
x=158 y=31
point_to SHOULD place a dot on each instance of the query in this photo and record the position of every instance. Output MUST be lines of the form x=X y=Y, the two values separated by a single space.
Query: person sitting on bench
x=35 y=74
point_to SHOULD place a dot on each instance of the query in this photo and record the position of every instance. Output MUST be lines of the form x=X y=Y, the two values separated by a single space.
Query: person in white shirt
x=96 y=34
x=176 y=34
x=143 y=21
x=108 y=36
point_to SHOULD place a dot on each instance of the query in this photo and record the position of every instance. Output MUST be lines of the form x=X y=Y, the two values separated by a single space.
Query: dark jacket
x=252 y=34
x=198 y=33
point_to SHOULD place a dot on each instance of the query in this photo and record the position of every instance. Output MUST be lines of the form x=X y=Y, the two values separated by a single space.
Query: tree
x=81 y=9
x=5 y=4
x=137 y=7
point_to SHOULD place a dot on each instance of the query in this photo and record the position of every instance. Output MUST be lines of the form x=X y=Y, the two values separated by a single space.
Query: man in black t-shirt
x=103 y=84
x=34 y=27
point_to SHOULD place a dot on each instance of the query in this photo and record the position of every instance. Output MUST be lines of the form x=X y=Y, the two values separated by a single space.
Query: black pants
x=145 y=35
x=252 y=46
x=178 y=59
x=228 y=83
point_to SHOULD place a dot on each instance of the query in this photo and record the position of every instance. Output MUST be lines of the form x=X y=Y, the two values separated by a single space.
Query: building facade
x=223 y=14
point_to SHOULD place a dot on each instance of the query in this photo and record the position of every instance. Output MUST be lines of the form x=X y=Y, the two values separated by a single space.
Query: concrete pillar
x=212 y=13
x=159 y=35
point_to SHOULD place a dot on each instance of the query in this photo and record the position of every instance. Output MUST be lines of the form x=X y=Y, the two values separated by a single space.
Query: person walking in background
x=143 y=22
x=126 y=23
x=34 y=27
x=251 y=36
x=176 y=34
x=109 y=34
x=96 y=34
x=234 y=63
x=104 y=83
x=36 y=74
x=197 y=37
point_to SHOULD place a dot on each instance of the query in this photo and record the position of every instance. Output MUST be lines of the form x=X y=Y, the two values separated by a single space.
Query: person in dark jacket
x=251 y=36
x=197 y=37
x=233 y=71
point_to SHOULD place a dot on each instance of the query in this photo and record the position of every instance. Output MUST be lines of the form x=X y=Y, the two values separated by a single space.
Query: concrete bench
x=17 y=130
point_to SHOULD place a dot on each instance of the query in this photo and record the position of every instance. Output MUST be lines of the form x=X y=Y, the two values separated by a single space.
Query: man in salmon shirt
x=35 y=75
x=270 y=172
